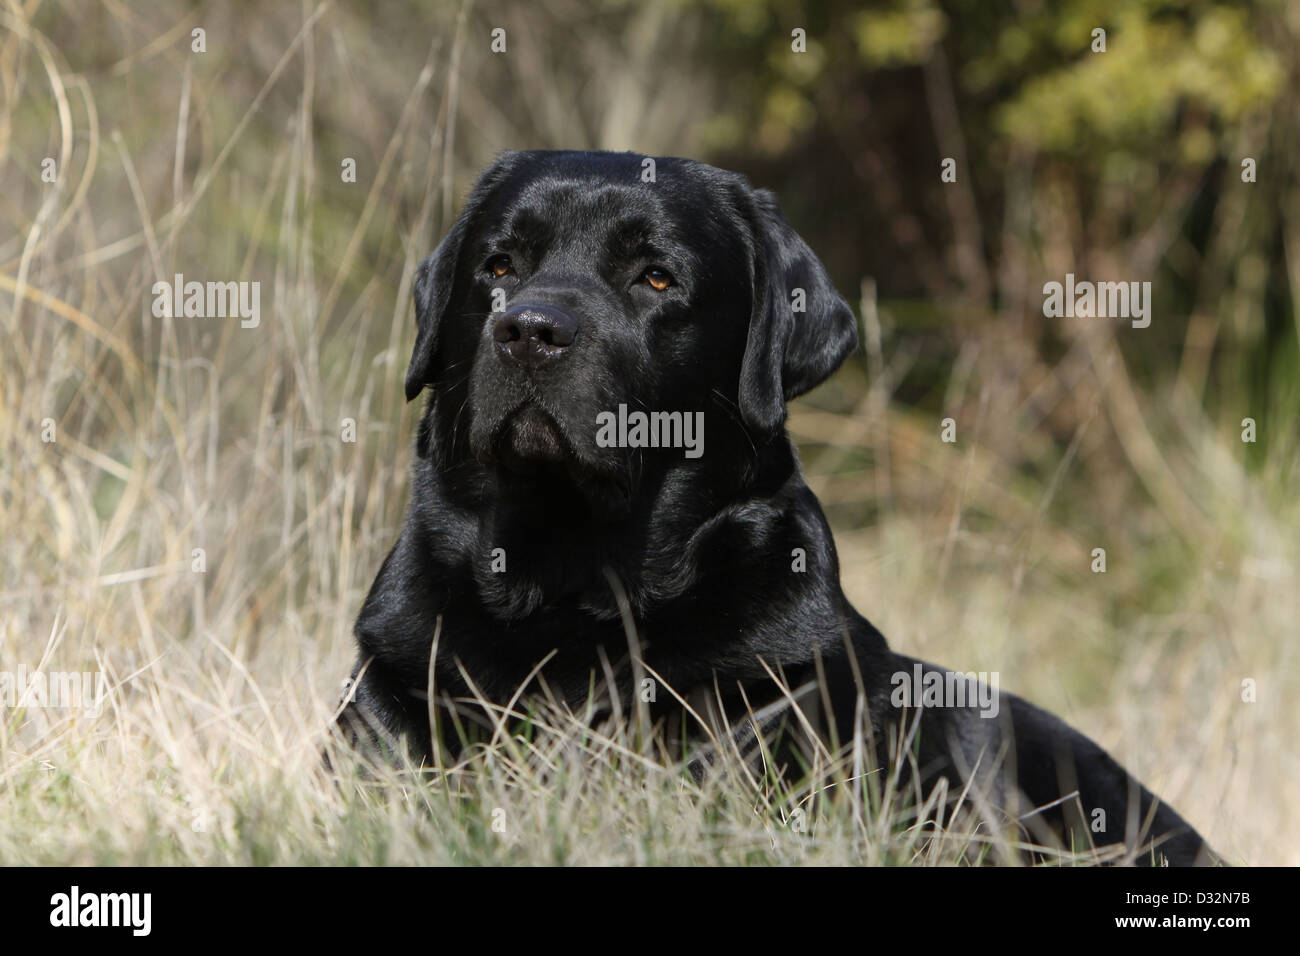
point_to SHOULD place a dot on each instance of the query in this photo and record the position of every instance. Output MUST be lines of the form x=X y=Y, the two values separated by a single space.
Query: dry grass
x=176 y=434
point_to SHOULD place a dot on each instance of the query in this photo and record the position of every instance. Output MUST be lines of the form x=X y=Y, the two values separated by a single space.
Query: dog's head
x=576 y=283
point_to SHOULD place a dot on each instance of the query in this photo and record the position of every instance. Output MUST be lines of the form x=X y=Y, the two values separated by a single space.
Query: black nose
x=532 y=335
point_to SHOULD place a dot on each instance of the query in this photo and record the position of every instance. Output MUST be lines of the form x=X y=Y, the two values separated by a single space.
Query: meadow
x=195 y=509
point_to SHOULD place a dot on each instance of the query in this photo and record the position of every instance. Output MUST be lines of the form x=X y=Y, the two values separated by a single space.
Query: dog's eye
x=658 y=279
x=499 y=266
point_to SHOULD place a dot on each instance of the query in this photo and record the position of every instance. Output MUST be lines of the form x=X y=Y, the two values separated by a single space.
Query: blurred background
x=1072 y=434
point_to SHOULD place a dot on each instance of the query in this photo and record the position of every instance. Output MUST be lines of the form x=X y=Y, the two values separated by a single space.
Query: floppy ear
x=795 y=341
x=437 y=274
x=429 y=305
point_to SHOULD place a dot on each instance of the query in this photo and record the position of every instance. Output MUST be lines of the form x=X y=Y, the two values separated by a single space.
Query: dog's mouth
x=528 y=437
x=531 y=435
x=529 y=449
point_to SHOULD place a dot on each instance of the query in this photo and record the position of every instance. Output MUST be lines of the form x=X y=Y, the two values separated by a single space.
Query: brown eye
x=499 y=266
x=657 y=279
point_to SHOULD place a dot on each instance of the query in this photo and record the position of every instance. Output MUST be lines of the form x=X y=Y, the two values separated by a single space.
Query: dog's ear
x=437 y=274
x=432 y=288
x=800 y=328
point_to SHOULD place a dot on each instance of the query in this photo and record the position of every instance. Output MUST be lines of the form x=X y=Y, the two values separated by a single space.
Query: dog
x=572 y=522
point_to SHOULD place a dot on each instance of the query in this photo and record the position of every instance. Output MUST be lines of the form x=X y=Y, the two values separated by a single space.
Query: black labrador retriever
x=585 y=318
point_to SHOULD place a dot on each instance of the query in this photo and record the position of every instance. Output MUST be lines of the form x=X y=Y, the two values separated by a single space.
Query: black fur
x=700 y=548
